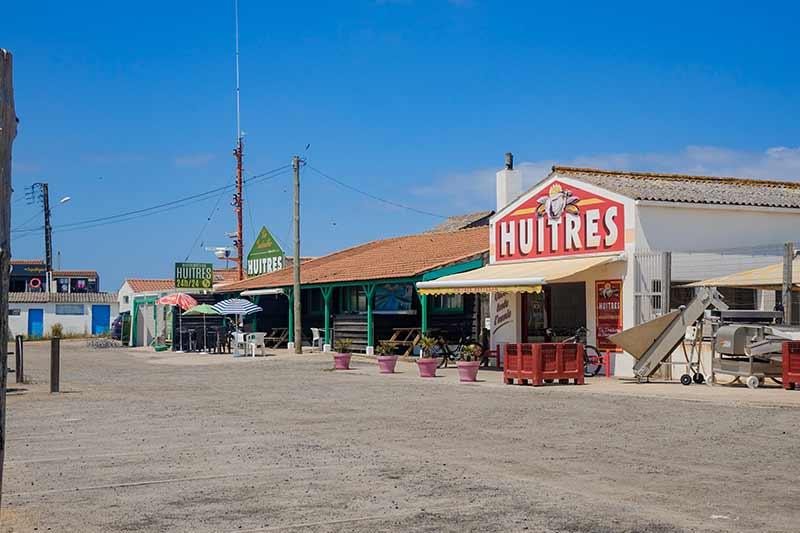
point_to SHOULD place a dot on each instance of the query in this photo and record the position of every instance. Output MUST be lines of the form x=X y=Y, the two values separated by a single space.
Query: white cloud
x=193 y=160
x=475 y=190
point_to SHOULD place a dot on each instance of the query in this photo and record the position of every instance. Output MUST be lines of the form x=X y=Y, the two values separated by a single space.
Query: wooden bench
x=275 y=337
x=405 y=338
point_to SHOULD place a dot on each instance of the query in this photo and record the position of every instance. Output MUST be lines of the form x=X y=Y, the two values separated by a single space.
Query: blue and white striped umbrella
x=235 y=306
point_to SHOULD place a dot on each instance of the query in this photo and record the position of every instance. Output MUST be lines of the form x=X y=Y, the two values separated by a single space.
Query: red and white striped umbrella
x=182 y=300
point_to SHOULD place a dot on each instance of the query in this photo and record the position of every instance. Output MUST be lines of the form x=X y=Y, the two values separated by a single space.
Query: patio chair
x=253 y=341
x=316 y=338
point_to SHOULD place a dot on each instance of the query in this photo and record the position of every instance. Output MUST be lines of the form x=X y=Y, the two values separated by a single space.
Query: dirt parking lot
x=140 y=441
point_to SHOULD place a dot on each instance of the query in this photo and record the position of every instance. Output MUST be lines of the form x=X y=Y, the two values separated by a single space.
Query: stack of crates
x=543 y=363
x=791 y=364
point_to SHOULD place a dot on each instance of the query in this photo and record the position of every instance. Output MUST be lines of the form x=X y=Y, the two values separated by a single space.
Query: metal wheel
x=686 y=379
x=753 y=382
x=592 y=362
x=699 y=378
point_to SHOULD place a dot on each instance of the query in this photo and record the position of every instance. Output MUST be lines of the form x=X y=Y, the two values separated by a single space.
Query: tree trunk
x=8 y=130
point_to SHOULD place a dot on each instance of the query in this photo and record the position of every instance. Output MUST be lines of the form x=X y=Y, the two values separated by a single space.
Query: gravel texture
x=140 y=441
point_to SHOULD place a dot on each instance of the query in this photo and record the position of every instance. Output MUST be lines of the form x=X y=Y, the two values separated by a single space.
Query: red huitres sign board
x=560 y=220
x=608 y=305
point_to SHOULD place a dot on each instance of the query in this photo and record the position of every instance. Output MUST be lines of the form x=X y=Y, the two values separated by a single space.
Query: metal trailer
x=653 y=342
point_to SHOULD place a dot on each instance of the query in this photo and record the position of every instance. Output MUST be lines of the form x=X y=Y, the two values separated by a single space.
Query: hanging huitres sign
x=194 y=275
x=560 y=220
x=265 y=255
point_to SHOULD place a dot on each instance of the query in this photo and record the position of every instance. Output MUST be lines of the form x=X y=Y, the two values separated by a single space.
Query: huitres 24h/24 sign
x=194 y=275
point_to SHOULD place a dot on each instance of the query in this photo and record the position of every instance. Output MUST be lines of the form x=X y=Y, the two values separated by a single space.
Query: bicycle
x=592 y=360
x=465 y=347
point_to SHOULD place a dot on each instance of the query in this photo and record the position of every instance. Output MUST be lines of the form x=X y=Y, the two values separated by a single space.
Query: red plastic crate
x=537 y=363
x=791 y=364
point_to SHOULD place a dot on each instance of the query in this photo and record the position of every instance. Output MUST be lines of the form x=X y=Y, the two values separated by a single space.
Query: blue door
x=35 y=322
x=101 y=319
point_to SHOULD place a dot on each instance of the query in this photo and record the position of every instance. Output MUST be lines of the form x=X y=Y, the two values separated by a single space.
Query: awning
x=764 y=278
x=262 y=292
x=513 y=277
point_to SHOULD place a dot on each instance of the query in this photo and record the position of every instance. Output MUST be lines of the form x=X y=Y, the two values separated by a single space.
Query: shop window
x=567 y=308
x=14 y=311
x=312 y=302
x=739 y=298
x=447 y=303
x=126 y=299
x=353 y=300
x=69 y=309
x=18 y=285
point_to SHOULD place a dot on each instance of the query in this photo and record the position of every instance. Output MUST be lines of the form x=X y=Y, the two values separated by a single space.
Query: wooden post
x=298 y=326
x=55 y=364
x=786 y=293
x=8 y=130
x=20 y=359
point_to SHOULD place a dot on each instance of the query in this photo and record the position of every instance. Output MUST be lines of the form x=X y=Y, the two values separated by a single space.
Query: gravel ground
x=140 y=441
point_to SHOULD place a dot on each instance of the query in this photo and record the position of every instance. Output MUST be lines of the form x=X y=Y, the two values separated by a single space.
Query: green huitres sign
x=194 y=275
x=265 y=255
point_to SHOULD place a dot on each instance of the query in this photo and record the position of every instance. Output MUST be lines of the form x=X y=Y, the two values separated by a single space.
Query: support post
x=423 y=302
x=20 y=359
x=369 y=290
x=786 y=292
x=290 y=295
x=326 y=297
x=55 y=364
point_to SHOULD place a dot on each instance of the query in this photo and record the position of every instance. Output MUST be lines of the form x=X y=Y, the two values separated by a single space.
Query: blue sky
x=125 y=106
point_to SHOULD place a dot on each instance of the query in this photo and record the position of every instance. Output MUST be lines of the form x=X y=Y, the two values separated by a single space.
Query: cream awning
x=513 y=277
x=764 y=278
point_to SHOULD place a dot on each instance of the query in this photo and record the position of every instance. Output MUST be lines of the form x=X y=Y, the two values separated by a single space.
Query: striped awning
x=513 y=277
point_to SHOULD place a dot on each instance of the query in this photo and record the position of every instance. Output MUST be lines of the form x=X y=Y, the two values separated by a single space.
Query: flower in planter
x=473 y=352
x=343 y=345
x=426 y=347
x=385 y=348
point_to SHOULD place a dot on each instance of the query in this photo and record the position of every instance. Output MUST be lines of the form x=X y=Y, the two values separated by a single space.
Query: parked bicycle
x=464 y=349
x=592 y=360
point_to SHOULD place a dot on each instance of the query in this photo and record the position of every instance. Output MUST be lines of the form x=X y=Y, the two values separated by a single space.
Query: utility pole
x=298 y=328
x=8 y=130
x=48 y=236
x=787 y=285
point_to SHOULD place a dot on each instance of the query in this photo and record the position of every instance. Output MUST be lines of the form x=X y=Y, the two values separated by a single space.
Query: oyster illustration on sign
x=557 y=202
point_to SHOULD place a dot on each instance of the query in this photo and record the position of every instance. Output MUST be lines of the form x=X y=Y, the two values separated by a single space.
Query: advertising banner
x=194 y=275
x=393 y=297
x=265 y=256
x=608 y=304
x=560 y=220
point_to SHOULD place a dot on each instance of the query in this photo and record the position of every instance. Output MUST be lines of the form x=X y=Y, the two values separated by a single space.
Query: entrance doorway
x=35 y=322
x=555 y=313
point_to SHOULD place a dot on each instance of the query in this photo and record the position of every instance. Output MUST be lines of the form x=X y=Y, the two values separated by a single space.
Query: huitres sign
x=557 y=220
x=194 y=275
x=265 y=255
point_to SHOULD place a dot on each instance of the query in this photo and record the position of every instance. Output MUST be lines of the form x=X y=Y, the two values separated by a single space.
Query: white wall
x=72 y=324
x=125 y=292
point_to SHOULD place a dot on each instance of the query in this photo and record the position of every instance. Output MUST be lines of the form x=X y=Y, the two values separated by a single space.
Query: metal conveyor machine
x=652 y=343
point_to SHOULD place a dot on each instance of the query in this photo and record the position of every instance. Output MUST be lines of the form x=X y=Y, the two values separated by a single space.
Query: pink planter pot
x=341 y=361
x=468 y=370
x=386 y=363
x=427 y=367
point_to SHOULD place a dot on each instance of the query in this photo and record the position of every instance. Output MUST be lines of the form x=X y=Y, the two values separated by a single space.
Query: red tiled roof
x=399 y=257
x=226 y=275
x=27 y=262
x=75 y=273
x=150 y=285
x=62 y=297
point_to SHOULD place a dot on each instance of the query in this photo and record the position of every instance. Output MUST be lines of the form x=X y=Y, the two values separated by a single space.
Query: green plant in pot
x=469 y=362
x=426 y=362
x=387 y=360
x=341 y=358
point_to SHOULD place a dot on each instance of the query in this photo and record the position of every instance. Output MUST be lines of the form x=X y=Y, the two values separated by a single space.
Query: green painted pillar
x=370 y=292
x=291 y=314
x=326 y=297
x=423 y=301
x=254 y=320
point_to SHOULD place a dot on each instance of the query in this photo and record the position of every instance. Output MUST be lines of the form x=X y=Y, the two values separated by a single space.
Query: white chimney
x=509 y=183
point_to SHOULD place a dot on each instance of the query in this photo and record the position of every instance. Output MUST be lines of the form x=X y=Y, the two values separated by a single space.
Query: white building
x=585 y=247
x=33 y=314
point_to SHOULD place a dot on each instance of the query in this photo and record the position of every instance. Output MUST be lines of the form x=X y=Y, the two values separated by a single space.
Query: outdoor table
x=405 y=337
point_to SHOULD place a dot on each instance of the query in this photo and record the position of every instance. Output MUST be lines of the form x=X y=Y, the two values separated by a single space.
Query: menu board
x=608 y=305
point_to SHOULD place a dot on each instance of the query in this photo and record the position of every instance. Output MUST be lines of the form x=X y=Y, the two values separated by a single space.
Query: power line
x=22 y=227
x=370 y=195
x=203 y=229
x=156 y=209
